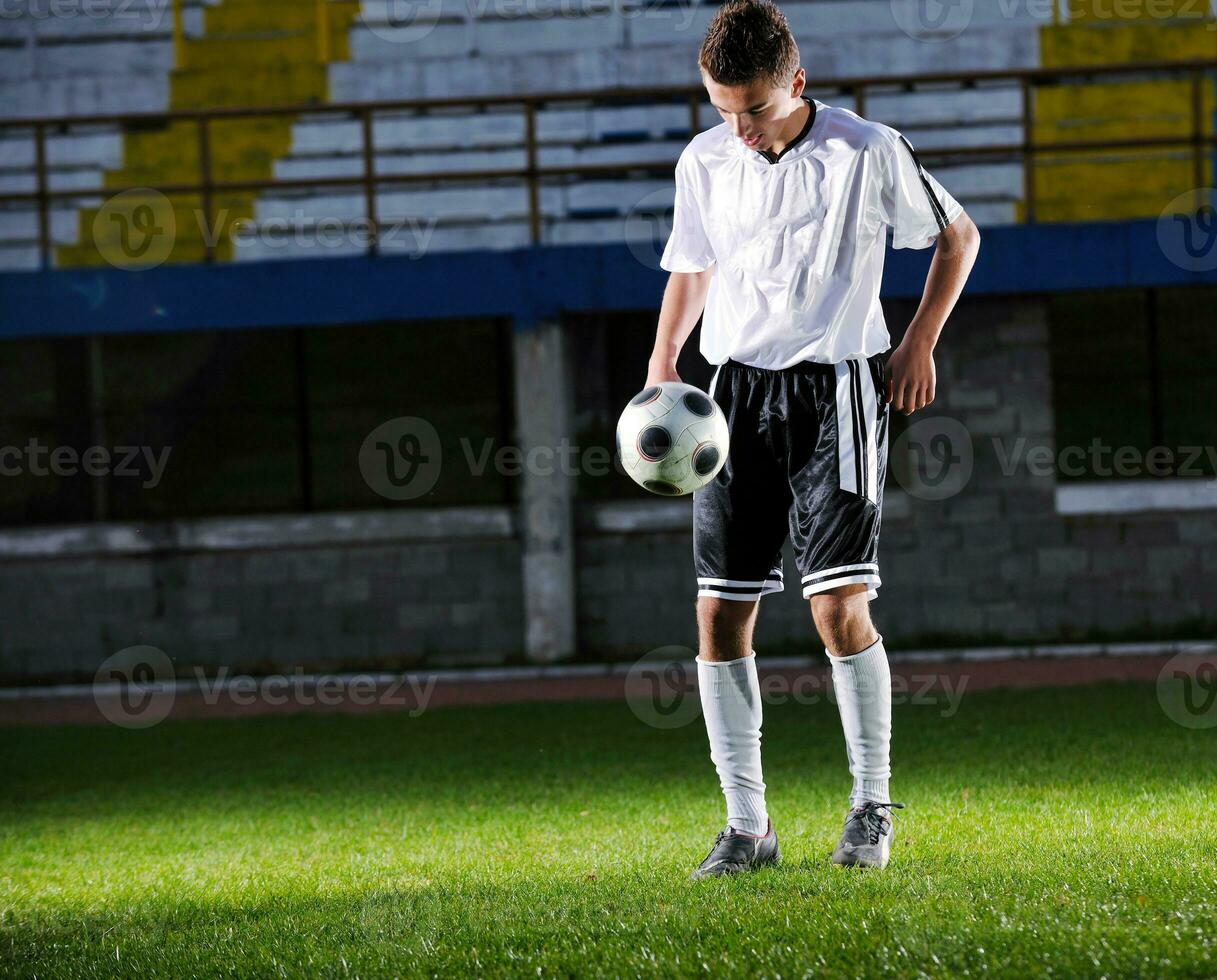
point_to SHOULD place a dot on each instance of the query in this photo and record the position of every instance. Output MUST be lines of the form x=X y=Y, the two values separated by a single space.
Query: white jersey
x=798 y=244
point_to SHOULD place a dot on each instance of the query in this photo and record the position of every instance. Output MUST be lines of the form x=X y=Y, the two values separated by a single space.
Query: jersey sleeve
x=688 y=248
x=911 y=201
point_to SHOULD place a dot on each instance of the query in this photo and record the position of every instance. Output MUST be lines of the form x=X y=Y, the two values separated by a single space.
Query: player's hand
x=658 y=371
x=911 y=378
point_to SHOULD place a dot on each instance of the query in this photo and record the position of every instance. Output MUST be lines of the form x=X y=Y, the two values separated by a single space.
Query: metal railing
x=207 y=186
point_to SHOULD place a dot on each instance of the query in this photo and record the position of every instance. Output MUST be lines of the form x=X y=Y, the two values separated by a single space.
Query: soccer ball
x=672 y=438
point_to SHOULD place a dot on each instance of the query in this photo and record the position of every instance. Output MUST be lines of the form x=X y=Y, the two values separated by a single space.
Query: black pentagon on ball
x=663 y=487
x=699 y=404
x=705 y=458
x=646 y=395
x=654 y=443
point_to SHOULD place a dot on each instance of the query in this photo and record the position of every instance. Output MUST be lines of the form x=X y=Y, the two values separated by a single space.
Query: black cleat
x=735 y=851
x=866 y=841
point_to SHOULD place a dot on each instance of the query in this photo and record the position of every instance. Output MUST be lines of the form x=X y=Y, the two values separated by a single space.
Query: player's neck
x=794 y=126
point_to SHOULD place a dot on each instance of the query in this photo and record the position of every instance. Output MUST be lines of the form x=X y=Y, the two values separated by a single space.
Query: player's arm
x=684 y=298
x=911 y=379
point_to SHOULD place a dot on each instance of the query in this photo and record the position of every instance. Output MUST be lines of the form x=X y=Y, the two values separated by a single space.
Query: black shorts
x=808 y=458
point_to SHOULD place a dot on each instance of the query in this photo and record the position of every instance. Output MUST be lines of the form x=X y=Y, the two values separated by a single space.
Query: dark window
x=222 y=402
x=1131 y=373
x=44 y=406
x=611 y=352
x=260 y=421
x=455 y=376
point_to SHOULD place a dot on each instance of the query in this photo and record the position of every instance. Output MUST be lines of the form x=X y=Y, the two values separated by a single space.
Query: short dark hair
x=749 y=40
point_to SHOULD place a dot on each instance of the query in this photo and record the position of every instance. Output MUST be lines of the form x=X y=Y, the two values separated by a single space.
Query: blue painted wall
x=528 y=285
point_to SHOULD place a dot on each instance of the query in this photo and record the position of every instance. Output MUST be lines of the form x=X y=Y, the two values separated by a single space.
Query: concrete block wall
x=319 y=593
x=995 y=563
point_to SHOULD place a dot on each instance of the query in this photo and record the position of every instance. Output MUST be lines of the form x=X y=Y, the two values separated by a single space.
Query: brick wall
x=994 y=562
x=326 y=592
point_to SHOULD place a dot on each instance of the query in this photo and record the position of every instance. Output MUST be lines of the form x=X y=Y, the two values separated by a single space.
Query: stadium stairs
x=1131 y=183
x=271 y=49
x=246 y=46
x=455 y=54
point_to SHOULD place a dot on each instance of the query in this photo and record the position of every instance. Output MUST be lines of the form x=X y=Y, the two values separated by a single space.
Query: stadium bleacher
x=132 y=62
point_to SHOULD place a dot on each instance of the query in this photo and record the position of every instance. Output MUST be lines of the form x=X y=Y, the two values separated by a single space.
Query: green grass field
x=1060 y=832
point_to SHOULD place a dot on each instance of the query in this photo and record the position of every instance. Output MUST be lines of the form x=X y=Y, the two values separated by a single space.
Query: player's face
x=758 y=112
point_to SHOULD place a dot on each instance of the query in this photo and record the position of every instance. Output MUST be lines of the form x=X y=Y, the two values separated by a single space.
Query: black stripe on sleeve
x=940 y=214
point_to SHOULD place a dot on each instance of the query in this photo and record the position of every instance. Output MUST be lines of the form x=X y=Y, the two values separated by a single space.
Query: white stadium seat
x=455 y=48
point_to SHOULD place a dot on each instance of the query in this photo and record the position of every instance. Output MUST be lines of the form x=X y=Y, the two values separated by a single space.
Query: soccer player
x=779 y=232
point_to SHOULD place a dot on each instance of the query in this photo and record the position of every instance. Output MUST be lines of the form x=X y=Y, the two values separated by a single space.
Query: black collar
x=811 y=118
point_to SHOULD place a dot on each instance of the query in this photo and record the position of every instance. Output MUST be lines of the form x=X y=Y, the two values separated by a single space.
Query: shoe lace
x=868 y=813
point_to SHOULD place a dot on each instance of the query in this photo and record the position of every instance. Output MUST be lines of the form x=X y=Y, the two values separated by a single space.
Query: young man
x=779 y=233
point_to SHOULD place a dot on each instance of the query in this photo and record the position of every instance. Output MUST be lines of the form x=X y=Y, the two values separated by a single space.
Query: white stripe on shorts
x=857 y=429
x=870 y=578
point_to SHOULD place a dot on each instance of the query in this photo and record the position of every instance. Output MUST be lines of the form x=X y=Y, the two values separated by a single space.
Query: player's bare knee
x=724 y=627
x=842 y=618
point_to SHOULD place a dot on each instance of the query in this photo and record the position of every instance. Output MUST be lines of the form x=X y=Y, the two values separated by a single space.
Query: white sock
x=862 y=683
x=731 y=704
